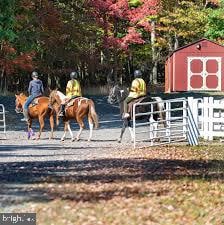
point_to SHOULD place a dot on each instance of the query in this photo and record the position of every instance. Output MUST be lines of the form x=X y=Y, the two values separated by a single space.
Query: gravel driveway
x=17 y=148
x=19 y=154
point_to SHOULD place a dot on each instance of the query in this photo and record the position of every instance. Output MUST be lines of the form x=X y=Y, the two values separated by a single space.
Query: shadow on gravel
x=46 y=147
x=100 y=172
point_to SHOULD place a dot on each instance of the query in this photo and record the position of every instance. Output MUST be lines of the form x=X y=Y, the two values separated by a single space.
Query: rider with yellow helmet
x=138 y=89
x=73 y=90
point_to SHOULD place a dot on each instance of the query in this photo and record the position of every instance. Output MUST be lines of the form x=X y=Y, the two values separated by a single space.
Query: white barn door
x=204 y=73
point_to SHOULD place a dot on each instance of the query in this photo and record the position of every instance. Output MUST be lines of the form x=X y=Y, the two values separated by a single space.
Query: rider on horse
x=138 y=89
x=35 y=90
x=73 y=90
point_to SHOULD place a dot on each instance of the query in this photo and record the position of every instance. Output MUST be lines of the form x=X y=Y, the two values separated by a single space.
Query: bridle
x=19 y=107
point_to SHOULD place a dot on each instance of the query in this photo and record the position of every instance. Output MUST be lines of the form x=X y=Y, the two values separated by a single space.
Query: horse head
x=19 y=102
x=117 y=94
x=54 y=97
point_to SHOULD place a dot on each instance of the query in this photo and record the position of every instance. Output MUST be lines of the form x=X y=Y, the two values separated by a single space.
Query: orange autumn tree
x=122 y=23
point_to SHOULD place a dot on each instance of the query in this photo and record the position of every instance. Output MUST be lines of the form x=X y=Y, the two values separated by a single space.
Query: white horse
x=118 y=95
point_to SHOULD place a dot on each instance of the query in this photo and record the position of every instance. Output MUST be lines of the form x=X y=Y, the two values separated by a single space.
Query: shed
x=198 y=66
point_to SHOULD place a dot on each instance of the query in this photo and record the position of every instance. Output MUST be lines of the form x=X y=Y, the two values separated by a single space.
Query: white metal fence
x=2 y=120
x=186 y=120
x=208 y=114
x=176 y=123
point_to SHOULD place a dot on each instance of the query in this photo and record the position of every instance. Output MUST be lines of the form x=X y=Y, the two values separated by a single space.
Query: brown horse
x=38 y=111
x=78 y=110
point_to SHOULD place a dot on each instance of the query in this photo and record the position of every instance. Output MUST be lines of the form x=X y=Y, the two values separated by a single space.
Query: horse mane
x=61 y=95
x=22 y=94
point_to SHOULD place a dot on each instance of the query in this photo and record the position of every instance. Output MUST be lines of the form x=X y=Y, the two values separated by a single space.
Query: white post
x=134 y=126
x=168 y=116
x=185 y=119
x=193 y=105
x=2 y=119
x=206 y=117
x=210 y=119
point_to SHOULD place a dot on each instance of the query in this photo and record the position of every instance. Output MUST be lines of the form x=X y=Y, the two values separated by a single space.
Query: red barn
x=198 y=66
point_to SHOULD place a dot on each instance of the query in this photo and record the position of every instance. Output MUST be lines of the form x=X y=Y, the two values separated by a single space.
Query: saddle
x=137 y=100
x=72 y=101
x=34 y=102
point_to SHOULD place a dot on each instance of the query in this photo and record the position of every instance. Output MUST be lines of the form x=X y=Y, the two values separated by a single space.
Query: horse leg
x=70 y=131
x=30 y=131
x=79 y=120
x=125 y=124
x=52 y=126
x=79 y=133
x=131 y=130
x=41 y=121
x=90 y=127
x=153 y=128
x=65 y=130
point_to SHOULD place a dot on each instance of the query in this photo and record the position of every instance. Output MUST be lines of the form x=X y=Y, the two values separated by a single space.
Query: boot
x=62 y=111
x=26 y=115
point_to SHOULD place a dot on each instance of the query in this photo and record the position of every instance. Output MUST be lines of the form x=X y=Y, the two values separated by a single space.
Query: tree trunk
x=154 y=56
x=2 y=79
x=176 y=42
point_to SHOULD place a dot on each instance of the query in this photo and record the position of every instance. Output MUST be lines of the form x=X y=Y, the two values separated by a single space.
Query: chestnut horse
x=39 y=111
x=78 y=110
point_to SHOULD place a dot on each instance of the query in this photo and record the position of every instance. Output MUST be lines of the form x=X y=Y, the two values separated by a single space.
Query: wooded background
x=104 y=40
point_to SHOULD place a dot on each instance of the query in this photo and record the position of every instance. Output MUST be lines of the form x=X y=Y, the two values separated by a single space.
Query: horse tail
x=93 y=113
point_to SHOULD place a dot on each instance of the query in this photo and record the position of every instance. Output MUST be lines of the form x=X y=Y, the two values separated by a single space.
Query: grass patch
x=159 y=185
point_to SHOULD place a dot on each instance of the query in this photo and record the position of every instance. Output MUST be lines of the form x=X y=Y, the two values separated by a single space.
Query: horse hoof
x=77 y=139
x=73 y=139
x=119 y=140
x=62 y=140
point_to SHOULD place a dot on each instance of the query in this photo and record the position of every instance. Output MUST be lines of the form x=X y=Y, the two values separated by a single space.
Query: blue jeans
x=28 y=101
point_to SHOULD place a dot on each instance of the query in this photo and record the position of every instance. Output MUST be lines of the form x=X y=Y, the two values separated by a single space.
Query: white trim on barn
x=204 y=73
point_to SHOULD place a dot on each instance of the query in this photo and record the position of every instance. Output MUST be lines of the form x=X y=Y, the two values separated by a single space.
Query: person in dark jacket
x=35 y=90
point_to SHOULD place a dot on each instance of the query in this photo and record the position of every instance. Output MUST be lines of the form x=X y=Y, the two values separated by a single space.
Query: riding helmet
x=34 y=74
x=73 y=75
x=137 y=73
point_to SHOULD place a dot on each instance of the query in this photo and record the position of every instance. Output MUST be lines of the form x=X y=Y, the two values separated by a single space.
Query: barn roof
x=193 y=43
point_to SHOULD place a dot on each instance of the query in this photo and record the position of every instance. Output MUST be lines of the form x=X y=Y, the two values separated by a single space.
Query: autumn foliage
x=121 y=22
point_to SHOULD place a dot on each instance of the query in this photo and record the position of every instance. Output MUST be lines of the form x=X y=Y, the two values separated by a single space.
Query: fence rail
x=209 y=116
x=176 y=127
x=2 y=120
